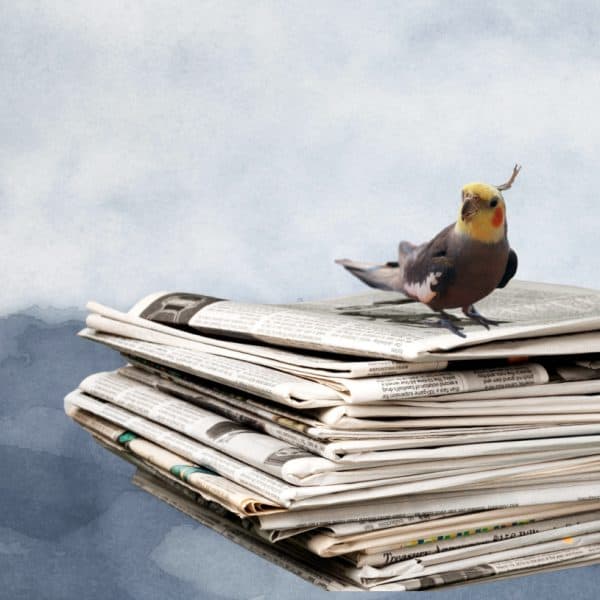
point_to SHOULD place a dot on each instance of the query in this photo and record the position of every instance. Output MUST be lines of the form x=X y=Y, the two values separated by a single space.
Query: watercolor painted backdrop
x=237 y=148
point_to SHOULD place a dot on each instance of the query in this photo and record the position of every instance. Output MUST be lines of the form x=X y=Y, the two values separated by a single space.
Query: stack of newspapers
x=354 y=442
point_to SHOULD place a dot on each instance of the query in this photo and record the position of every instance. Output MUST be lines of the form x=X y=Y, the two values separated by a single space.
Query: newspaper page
x=229 y=404
x=557 y=566
x=301 y=467
x=338 y=419
x=409 y=535
x=255 y=379
x=127 y=325
x=285 y=494
x=550 y=404
x=354 y=443
x=577 y=525
x=262 y=451
x=513 y=547
x=418 y=532
x=383 y=564
x=234 y=407
x=270 y=487
x=552 y=388
x=292 y=465
x=554 y=345
x=579 y=535
x=560 y=407
x=347 y=528
x=337 y=443
x=566 y=555
x=499 y=478
x=379 y=324
x=207 y=483
x=426 y=385
x=301 y=392
x=277 y=490
x=410 y=566
x=327 y=574
x=586 y=495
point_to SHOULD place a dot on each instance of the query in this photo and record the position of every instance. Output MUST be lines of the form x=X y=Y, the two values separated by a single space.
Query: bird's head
x=482 y=213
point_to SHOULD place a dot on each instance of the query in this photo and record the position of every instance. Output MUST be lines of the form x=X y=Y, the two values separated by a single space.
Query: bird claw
x=476 y=316
x=447 y=323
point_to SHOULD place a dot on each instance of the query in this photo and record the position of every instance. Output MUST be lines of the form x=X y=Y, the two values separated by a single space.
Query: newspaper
x=127 y=325
x=275 y=535
x=553 y=345
x=209 y=484
x=337 y=443
x=383 y=564
x=586 y=494
x=553 y=388
x=298 y=392
x=276 y=490
x=576 y=525
x=109 y=320
x=235 y=408
x=444 y=383
x=565 y=556
x=308 y=495
x=350 y=438
x=255 y=379
x=229 y=404
x=410 y=535
x=567 y=409
x=328 y=574
x=550 y=404
x=270 y=487
x=379 y=324
x=301 y=467
x=578 y=535
x=338 y=419
x=239 y=441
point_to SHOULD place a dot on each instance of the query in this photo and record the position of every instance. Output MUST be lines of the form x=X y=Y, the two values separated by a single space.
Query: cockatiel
x=462 y=264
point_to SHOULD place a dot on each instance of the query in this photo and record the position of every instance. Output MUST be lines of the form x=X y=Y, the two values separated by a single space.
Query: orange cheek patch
x=498 y=217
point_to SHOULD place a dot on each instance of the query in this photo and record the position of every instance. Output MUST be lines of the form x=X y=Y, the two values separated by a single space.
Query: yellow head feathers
x=485 y=191
x=482 y=213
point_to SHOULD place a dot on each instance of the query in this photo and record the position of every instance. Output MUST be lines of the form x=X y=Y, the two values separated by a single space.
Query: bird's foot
x=476 y=316
x=448 y=322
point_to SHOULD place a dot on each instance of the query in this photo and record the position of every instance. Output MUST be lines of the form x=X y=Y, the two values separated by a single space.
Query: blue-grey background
x=237 y=148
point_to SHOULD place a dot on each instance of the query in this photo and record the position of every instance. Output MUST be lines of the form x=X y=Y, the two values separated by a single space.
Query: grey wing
x=511 y=268
x=385 y=276
x=429 y=270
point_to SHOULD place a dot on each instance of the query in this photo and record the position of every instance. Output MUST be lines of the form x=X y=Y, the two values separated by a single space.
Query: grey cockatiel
x=462 y=264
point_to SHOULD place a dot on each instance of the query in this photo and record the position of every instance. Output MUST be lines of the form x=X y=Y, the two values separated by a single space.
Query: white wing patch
x=421 y=290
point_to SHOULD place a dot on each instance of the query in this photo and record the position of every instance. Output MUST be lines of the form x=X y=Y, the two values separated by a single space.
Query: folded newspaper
x=356 y=444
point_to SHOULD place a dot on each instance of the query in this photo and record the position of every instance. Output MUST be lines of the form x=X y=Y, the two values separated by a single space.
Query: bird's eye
x=494 y=202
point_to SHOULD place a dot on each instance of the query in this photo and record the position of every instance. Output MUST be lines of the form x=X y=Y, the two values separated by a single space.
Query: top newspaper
x=389 y=325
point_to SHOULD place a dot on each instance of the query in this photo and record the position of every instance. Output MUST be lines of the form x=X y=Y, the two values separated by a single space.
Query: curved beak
x=470 y=208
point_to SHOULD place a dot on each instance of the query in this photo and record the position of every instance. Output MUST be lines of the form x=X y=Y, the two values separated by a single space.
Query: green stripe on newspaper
x=183 y=472
x=126 y=437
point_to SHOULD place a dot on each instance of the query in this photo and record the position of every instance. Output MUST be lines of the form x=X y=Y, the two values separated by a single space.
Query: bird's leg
x=448 y=322
x=471 y=312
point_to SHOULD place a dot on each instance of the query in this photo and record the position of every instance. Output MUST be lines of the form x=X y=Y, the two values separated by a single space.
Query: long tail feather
x=385 y=276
